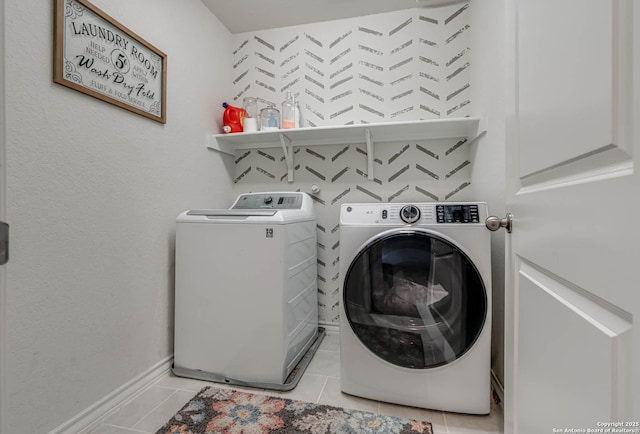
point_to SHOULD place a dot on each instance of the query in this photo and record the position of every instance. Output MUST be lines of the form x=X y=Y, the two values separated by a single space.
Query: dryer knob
x=410 y=214
x=268 y=200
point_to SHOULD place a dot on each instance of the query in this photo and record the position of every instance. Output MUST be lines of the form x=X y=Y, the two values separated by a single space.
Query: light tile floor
x=149 y=411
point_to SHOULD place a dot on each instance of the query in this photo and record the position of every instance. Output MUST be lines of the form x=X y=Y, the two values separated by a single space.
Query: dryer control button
x=410 y=214
x=385 y=214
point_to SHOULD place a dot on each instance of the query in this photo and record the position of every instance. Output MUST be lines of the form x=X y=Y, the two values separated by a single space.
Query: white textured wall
x=488 y=153
x=93 y=192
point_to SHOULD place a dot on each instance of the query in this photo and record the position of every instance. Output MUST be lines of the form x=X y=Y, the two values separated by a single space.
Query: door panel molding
x=594 y=166
x=566 y=92
x=580 y=346
x=607 y=316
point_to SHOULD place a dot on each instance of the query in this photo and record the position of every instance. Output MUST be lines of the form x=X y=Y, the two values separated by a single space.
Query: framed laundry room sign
x=96 y=55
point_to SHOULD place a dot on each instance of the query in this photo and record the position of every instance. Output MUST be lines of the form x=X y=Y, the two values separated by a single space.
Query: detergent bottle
x=233 y=119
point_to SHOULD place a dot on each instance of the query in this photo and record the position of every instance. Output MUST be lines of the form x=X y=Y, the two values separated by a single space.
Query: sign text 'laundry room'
x=97 y=55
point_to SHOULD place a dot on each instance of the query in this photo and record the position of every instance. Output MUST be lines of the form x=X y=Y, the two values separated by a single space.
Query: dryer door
x=414 y=299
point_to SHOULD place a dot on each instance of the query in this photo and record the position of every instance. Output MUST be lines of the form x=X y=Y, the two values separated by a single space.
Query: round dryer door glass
x=414 y=299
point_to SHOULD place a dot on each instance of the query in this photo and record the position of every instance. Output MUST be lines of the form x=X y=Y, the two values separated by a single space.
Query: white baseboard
x=330 y=327
x=92 y=415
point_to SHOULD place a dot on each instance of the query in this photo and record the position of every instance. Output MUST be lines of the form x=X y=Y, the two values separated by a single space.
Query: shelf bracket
x=367 y=134
x=287 y=148
x=479 y=131
x=215 y=145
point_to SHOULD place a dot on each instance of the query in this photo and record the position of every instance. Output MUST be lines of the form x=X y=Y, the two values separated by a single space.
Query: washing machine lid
x=414 y=298
x=266 y=207
x=232 y=212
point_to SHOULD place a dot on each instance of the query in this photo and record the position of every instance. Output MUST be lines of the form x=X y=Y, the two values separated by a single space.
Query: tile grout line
x=324 y=386
x=102 y=420
x=183 y=389
x=125 y=428
x=156 y=407
x=444 y=419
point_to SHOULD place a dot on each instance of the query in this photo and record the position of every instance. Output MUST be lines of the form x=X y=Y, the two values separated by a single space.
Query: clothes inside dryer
x=414 y=299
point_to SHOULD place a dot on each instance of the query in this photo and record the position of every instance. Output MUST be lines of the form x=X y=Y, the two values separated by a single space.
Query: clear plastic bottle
x=297 y=113
x=288 y=112
x=250 y=105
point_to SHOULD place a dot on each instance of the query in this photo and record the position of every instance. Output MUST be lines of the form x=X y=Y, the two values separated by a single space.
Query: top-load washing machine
x=246 y=302
x=415 y=316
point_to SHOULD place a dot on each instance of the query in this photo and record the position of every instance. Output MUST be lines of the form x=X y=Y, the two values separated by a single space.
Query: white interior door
x=573 y=303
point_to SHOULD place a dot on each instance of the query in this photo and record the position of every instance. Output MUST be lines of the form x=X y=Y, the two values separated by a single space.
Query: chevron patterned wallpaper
x=398 y=66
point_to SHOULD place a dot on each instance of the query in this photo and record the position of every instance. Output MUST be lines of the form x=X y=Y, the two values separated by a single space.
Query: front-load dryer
x=415 y=312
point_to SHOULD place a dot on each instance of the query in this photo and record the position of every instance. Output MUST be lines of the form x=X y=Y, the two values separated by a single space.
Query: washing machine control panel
x=457 y=214
x=269 y=200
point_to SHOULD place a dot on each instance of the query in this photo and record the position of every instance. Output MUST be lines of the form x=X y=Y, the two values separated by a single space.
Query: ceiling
x=250 y=15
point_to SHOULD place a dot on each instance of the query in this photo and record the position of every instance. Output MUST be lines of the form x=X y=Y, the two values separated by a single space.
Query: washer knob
x=268 y=200
x=410 y=214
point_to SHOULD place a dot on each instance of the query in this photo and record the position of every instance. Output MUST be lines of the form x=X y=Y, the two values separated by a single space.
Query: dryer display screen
x=457 y=214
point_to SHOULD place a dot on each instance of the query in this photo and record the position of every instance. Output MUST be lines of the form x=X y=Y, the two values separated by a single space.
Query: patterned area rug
x=229 y=411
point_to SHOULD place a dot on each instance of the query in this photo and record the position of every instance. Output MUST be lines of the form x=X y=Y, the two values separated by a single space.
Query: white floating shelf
x=469 y=128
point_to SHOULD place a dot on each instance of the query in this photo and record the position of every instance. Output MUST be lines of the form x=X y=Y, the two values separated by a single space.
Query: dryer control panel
x=457 y=213
x=424 y=213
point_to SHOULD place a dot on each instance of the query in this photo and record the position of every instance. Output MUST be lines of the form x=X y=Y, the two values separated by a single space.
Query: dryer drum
x=415 y=299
